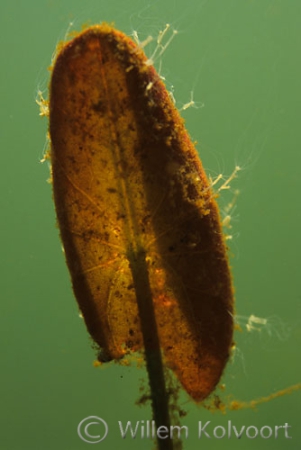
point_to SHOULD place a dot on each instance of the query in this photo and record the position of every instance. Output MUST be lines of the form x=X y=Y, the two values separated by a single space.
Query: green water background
x=241 y=59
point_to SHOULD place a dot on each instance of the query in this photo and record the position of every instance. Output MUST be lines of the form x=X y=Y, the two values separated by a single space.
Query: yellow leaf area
x=138 y=221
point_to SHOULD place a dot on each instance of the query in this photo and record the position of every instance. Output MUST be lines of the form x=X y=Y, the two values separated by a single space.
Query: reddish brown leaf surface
x=136 y=213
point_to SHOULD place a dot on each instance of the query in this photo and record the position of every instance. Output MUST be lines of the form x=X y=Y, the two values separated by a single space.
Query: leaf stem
x=154 y=363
